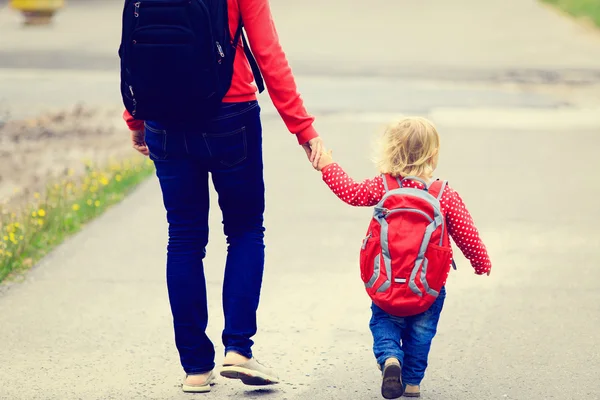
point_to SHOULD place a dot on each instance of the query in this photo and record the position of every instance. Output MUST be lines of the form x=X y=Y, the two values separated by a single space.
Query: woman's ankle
x=233 y=357
x=197 y=379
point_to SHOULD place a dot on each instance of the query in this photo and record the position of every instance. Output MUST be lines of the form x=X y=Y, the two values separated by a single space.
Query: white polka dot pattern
x=458 y=219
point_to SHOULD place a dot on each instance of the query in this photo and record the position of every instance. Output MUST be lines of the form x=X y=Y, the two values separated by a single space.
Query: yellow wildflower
x=118 y=178
x=97 y=203
x=75 y=207
x=104 y=180
x=5 y=238
x=12 y=238
x=40 y=222
x=34 y=214
x=41 y=212
x=89 y=202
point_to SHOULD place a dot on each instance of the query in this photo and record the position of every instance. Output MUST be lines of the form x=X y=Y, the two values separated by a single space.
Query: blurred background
x=513 y=86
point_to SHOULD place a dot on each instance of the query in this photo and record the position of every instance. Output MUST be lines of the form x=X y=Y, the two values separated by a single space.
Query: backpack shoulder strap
x=260 y=84
x=390 y=183
x=385 y=183
x=437 y=187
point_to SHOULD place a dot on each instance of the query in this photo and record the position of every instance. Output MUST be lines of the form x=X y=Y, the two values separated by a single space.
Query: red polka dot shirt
x=458 y=219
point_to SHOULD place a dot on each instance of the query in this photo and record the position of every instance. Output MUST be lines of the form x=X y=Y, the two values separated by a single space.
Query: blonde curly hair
x=409 y=147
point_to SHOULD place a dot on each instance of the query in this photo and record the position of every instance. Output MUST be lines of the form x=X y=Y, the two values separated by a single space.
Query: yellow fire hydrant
x=37 y=12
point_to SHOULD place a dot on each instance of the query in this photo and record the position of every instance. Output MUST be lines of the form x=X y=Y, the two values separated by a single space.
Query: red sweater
x=458 y=219
x=273 y=64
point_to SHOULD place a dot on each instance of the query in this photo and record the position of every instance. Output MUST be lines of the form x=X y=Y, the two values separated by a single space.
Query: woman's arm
x=132 y=123
x=274 y=66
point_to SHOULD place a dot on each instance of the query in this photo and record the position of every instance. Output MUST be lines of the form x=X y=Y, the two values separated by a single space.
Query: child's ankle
x=391 y=360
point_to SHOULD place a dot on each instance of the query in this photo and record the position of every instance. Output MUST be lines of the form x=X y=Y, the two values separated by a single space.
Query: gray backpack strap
x=413 y=178
x=444 y=184
x=385 y=184
x=439 y=197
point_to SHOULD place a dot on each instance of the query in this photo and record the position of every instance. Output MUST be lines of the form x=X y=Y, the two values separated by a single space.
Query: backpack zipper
x=386 y=212
x=138 y=3
x=221 y=53
x=134 y=101
x=365 y=240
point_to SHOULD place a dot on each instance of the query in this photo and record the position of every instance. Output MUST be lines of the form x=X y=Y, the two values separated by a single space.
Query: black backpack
x=177 y=58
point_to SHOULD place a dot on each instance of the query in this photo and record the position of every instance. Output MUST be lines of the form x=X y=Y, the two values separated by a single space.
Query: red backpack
x=406 y=256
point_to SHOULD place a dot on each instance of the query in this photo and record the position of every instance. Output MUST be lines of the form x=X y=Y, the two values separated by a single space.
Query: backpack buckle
x=381 y=212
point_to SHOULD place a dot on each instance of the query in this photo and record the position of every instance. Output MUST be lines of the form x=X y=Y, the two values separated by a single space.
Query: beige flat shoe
x=199 y=388
x=250 y=373
x=412 y=391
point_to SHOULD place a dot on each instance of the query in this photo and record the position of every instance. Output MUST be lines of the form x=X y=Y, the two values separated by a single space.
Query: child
x=409 y=148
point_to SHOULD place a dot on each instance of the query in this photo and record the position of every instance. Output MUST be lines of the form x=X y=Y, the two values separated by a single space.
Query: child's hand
x=325 y=160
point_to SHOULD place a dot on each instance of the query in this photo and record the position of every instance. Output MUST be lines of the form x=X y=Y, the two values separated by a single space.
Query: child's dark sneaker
x=412 y=391
x=391 y=385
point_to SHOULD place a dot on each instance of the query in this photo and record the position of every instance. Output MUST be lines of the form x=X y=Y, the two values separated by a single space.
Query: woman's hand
x=138 y=140
x=313 y=149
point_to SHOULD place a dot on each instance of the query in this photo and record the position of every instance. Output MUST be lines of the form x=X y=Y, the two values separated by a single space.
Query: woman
x=229 y=147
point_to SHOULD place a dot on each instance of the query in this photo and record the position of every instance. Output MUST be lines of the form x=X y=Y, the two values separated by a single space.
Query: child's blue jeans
x=406 y=338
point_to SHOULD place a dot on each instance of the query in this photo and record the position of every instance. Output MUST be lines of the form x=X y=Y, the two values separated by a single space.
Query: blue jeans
x=229 y=147
x=408 y=339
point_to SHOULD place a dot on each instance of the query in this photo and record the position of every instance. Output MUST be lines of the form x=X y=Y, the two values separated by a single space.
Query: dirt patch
x=37 y=152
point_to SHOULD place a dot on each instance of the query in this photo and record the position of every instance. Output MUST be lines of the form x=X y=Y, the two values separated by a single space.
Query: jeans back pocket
x=156 y=141
x=229 y=148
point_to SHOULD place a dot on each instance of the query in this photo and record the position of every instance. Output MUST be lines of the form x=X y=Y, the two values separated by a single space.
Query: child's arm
x=365 y=194
x=464 y=233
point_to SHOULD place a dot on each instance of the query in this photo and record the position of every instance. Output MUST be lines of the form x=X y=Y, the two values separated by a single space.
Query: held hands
x=318 y=156
x=325 y=160
x=313 y=149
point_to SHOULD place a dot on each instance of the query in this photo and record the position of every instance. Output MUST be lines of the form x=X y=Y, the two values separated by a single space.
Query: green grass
x=28 y=234
x=579 y=8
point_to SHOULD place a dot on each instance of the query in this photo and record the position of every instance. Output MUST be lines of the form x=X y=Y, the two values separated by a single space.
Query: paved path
x=92 y=320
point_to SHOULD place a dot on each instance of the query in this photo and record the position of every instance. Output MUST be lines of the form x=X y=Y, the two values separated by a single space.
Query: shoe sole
x=248 y=376
x=205 y=388
x=413 y=395
x=391 y=385
x=195 y=389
